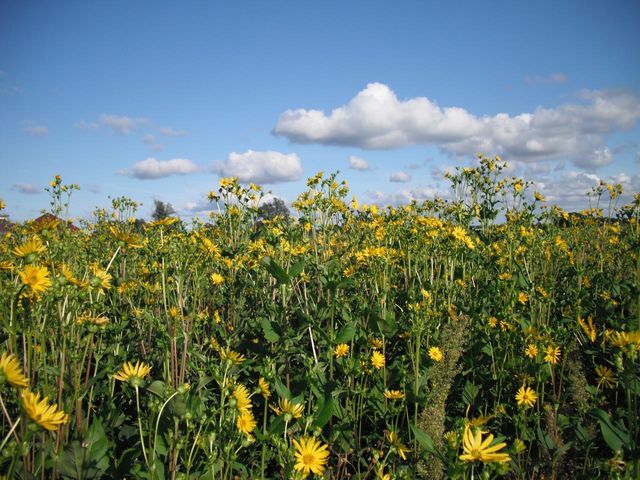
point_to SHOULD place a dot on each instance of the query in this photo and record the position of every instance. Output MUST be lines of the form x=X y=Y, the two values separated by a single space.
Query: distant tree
x=162 y=210
x=272 y=209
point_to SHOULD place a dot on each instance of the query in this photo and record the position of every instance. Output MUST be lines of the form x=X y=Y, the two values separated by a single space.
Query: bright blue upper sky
x=157 y=99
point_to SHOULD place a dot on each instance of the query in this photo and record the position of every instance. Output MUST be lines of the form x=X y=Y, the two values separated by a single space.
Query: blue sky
x=157 y=100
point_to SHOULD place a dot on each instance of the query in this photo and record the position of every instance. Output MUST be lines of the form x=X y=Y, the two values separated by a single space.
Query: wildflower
x=393 y=394
x=46 y=415
x=36 y=278
x=435 y=354
x=493 y=322
x=311 y=456
x=134 y=374
x=286 y=407
x=30 y=249
x=519 y=446
x=232 y=356
x=243 y=398
x=246 y=423
x=531 y=351
x=11 y=372
x=376 y=343
x=523 y=298
x=475 y=448
x=217 y=279
x=553 y=355
x=264 y=388
x=341 y=350
x=526 y=396
x=394 y=440
x=377 y=359
x=101 y=279
x=588 y=327
x=606 y=378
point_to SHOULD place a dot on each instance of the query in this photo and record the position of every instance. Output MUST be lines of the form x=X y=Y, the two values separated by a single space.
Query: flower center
x=308 y=459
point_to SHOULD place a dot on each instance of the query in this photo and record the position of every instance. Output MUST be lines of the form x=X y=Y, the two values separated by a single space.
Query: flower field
x=489 y=335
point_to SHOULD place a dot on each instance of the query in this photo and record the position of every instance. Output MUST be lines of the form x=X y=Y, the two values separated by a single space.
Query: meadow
x=491 y=335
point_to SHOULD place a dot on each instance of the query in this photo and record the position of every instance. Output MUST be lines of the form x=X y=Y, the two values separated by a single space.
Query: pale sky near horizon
x=159 y=99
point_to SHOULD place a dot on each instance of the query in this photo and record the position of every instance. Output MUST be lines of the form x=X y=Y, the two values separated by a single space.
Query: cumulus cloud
x=152 y=168
x=557 y=78
x=121 y=124
x=36 y=130
x=84 y=125
x=27 y=188
x=358 y=163
x=170 y=132
x=261 y=167
x=399 y=177
x=405 y=196
x=376 y=119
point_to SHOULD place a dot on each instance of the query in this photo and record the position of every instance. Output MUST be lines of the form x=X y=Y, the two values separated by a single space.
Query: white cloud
x=36 y=130
x=170 y=132
x=261 y=167
x=556 y=78
x=376 y=119
x=399 y=177
x=121 y=124
x=27 y=188
x=407 y=195
x=149 y=139
x=358 y=163
x=152 y=168
x=84 y=125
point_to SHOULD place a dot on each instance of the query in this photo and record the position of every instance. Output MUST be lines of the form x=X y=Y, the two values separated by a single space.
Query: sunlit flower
x=606 y=378
x=475 y=448
x=264 y=388
x=588 y=327
x=393 y=394
x=286 y=407
x=493 y=322
x=553 y=355
x=531 y=351
x=101 y=279
x=436 y=354
x=36 y=278
x=394 y=441
x=217 y=279
x=311 y=456
x=44 y=414
x=243 y=398
x=377 y=359
x=246 y=423
x=30 y=249
x=526 y=396
x=134 y=374
x=341 y=350
x=232 y=356
x=523 y=298
x=11 y=372
x=376 y=343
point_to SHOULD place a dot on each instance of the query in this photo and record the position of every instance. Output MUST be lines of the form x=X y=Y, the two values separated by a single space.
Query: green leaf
x=423 y=439
x=387 y=326
x=269 y=333
x=89 y=459
x=283 y=391
x=615 y=437
x=325 y=413
x=346 y=334
x=470 y=392
x=296 y=269
x=157 y=388
x=276 y=270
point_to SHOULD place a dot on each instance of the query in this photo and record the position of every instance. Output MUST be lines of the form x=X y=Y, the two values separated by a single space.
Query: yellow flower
x=101 y=279
x=475 y=448
x=606 y=378
x=523 y=298
x=31 y=247
x=493 y=322
x=243 y=399
x=394 y=440
x=526 y=397
x=133 y=374
x=246 y=423
x=311 y=456
x=36 y=278
x=11 y=372
x=393 y=394
x=232 y=356
x=264 y=388
x=46 y=415
x=435 y=354
x=588 y=327
x=341 y=350
x=553 y=355
x=377 y=359
x=531 y=351
x=376 y=343
x=217 y=279
x=286 y=407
